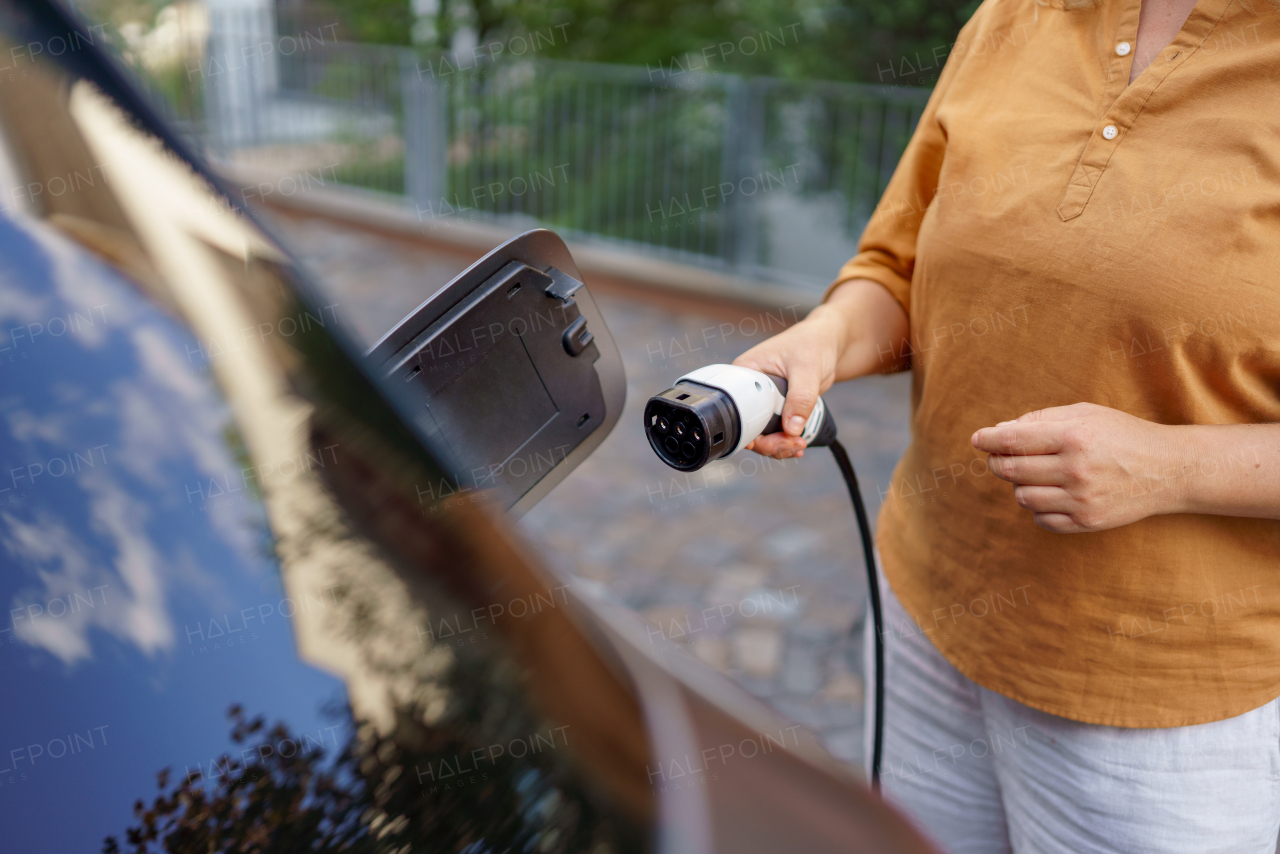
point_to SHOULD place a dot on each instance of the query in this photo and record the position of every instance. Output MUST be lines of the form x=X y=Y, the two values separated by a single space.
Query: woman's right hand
x=805 y=354
x=845 y=337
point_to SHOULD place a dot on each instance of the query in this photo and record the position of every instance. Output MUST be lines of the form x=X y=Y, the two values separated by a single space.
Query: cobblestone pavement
x=753 y=565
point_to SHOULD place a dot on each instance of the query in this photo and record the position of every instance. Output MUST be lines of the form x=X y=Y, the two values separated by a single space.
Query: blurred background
x=711 y=164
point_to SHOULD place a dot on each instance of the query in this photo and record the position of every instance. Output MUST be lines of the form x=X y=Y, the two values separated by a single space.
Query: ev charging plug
x=720 y=409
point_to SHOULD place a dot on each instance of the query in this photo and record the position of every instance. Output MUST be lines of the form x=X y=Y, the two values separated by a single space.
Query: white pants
x=980 y=773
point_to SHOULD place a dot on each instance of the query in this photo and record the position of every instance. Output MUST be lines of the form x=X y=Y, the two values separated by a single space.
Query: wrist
x=830 y=321
x=1176 y=456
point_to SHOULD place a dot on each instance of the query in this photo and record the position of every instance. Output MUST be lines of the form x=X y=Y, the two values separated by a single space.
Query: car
x=250 y=606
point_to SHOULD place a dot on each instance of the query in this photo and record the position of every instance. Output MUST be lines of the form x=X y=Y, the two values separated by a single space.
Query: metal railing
x=761 y=177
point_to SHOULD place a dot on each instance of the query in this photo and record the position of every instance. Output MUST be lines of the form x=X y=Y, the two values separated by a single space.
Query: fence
x=761 y=177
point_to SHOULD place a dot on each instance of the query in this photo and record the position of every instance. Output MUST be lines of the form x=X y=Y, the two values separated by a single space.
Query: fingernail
x=795 y=425
x=1002 y=423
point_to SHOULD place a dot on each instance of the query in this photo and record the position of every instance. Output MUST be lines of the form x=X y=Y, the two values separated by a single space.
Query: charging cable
x=873 y=594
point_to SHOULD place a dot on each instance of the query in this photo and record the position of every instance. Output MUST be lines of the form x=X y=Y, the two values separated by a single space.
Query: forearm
x=871 y=328
x=1226 y=470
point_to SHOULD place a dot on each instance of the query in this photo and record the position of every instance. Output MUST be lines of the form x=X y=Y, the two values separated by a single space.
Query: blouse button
x=1123 y=49
x=1109 y=132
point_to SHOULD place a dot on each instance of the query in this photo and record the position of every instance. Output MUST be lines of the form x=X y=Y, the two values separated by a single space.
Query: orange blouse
x=1058 y=235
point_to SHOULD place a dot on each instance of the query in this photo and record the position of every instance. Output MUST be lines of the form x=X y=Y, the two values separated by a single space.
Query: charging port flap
x=512 y=370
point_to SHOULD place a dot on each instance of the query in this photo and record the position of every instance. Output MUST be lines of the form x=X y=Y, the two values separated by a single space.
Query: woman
x=1078 y=258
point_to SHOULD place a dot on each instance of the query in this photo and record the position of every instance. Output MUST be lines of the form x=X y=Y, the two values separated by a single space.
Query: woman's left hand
x=1084 y=467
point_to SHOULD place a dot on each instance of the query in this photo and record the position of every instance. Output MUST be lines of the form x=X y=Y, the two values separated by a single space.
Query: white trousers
x=980 y=773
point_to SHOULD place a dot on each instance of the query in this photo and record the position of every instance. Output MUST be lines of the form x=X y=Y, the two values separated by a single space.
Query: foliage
x=371 y=798
x=379 y=21
x=878 y=41
x=283 y=804
x=858 y=40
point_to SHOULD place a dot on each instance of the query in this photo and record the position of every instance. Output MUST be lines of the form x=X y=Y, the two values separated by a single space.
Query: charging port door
x=506 y=375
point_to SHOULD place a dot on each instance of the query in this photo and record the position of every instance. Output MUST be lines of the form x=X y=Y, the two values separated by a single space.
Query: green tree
x=377 y=794
x=823 y=39
x=378 y=21
x=876 y=41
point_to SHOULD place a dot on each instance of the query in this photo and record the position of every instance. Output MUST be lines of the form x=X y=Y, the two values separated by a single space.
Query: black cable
x=873 y=591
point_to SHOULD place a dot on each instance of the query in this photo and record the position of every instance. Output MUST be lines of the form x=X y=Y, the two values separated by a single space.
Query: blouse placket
x=1110 y=130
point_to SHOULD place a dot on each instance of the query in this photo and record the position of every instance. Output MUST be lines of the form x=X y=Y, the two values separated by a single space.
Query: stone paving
x=769 y=549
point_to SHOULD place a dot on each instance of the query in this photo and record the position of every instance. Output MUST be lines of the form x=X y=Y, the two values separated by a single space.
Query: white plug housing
x=757 y=399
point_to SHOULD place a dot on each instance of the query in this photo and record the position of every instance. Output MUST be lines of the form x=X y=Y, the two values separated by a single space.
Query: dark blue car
x=232 y=622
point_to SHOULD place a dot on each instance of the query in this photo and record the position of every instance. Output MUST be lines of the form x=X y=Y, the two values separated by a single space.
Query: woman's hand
x=1086 y=467
x=805 y=354
x=860 y=329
